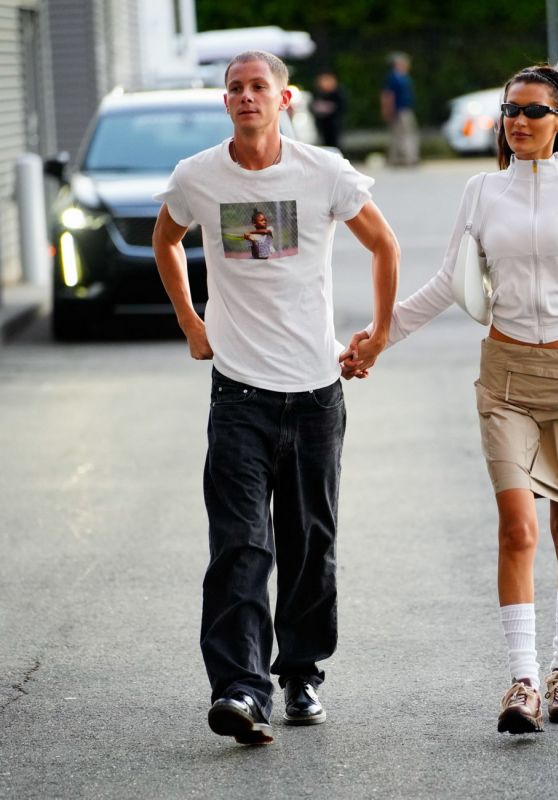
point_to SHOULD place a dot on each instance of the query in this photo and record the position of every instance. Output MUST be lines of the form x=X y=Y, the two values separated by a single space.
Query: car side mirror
x=57 y=166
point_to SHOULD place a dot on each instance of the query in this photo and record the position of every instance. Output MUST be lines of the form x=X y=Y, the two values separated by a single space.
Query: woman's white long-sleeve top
x=516 y=224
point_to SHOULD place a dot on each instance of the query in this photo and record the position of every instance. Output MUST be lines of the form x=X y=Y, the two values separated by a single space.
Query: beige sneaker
x=520 y=709
x=552 y=695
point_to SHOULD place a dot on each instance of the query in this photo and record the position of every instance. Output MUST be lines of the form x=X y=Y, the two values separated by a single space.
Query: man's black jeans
x=264 y=445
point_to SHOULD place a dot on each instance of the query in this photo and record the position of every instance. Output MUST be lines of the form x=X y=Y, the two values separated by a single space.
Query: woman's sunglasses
x=534 y=111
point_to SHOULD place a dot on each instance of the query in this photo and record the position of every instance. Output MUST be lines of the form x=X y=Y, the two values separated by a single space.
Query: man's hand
x=350 y=367
x=361 y=353
x=196 y=335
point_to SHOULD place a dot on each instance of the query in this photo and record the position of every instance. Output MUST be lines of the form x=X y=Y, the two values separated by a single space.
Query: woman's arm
x=427 y=302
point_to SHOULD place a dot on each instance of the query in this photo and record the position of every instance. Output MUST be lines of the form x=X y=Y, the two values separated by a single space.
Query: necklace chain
x=235 y=158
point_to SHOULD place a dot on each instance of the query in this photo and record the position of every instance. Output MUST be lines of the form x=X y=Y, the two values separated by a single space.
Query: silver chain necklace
x=236 y=160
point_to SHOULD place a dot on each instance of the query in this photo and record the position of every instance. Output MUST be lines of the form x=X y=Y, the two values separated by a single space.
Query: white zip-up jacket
x=516 y=223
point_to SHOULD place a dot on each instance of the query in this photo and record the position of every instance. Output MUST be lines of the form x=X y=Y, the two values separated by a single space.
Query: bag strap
x=475 y=203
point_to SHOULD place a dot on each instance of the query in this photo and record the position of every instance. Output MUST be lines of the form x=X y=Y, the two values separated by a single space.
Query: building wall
x=26 y=123
x=51 y=84
x=72 y=35
x=95 y=47
x=57 y=59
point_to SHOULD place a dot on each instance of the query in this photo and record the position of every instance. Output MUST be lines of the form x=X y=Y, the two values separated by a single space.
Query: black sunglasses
x=534 y=111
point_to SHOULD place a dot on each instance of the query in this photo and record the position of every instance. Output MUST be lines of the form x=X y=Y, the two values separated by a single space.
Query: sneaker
x=552 y=695
x=520 y=709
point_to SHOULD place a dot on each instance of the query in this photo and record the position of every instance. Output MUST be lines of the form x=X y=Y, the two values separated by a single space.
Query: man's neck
x=256 y=152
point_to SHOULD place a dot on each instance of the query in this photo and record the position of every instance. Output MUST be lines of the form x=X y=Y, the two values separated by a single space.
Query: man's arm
x=171 y=263
x=372 y=230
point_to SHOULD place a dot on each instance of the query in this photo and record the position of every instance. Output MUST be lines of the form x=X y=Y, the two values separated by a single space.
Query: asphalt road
x=103 y=693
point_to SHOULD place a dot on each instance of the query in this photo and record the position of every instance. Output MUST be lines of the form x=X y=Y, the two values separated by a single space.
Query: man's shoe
x=520 y=709
x=552 y=695
x=302 y=706
x=236 y=714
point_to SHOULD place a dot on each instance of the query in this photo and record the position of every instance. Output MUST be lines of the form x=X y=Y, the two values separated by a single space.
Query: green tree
x=455 y=47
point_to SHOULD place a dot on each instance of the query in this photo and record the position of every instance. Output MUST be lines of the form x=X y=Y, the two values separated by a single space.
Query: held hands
x=360 y=354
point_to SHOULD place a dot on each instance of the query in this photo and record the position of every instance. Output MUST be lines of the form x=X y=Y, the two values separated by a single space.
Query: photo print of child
x=261 y=230
x=261 y=238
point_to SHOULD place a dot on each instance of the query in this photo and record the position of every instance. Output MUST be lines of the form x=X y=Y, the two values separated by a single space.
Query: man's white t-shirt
x=269 y=317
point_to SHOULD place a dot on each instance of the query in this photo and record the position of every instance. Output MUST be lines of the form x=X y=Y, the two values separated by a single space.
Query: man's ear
x=226 y=103
x=286 y=97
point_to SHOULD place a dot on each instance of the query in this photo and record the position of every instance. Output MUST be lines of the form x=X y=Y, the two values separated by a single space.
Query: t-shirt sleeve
x=350 y=193
x=173 y=195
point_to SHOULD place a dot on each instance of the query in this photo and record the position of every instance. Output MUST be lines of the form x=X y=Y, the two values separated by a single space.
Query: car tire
x=68 y=324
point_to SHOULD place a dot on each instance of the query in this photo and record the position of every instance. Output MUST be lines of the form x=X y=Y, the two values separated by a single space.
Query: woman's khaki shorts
x=517 y=401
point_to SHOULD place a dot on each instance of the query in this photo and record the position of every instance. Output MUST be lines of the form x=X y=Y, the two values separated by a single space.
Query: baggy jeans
x=264 y=446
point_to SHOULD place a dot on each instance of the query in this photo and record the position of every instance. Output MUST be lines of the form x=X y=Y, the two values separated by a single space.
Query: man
x=277 y=415
x=328 y=108
x=397 y=102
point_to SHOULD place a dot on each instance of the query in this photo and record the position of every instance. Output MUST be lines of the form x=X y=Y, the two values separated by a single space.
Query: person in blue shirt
x=397 y=102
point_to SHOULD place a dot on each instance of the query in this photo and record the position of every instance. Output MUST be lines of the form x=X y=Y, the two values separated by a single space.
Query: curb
x=20 y=306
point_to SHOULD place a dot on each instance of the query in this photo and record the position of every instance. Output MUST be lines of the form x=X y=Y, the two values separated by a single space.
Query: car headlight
x=75 y=218
x=70 y=260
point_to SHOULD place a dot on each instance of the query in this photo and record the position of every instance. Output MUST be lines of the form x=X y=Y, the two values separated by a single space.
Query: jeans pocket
x=225 y=391
x=329 y=396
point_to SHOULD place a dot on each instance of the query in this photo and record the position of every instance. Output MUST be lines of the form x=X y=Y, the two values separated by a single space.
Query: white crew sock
x=519 y=629
x=554 y=662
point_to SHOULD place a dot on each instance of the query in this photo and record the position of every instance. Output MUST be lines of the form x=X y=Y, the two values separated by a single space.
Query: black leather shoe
x=236 y=714
x=302 y=706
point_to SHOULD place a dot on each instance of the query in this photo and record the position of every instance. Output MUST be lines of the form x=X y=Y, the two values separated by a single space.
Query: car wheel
x=68 y=324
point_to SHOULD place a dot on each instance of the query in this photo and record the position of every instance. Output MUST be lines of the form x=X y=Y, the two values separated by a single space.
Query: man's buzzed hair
x=278 y=68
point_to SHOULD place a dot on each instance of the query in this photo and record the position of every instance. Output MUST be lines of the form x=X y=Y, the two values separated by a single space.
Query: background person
x=397 y=102
x=517 y=392
x=277 y=415
x=328 y=107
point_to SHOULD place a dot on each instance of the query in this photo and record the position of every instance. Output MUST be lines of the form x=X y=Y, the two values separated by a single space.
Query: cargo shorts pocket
x=532 y=386
x=508 y=433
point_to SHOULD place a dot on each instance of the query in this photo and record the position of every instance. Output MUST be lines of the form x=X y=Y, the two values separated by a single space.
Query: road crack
x=20 y=688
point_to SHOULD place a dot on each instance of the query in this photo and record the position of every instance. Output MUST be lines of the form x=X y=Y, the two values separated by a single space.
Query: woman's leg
x=554 y=532
x=518 y=534
x=552 y=677
x=554 y=524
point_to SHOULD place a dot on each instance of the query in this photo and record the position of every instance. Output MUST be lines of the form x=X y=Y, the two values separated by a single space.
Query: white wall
x=167 y=56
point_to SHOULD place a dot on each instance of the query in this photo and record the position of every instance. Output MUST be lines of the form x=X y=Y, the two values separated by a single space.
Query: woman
x=516 y=224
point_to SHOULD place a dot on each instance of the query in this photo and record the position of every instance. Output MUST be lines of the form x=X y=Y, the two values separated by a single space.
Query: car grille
x=136 y=230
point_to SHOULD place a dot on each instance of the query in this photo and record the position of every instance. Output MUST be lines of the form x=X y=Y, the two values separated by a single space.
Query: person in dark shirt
x=397 y=107
x=328 y=108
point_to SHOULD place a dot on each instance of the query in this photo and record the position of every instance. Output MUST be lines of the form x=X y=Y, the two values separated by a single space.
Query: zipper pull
x=535 y=167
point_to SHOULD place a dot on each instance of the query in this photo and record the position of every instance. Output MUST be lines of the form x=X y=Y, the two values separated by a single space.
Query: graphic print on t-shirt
x=259 y=230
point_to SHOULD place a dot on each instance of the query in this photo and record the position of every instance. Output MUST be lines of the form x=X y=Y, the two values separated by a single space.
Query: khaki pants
x=404 y=145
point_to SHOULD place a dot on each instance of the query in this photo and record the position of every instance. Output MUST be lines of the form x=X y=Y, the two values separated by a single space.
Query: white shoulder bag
x=471 y=282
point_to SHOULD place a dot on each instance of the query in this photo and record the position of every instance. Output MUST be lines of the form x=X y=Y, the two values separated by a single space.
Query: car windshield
x=153 y=140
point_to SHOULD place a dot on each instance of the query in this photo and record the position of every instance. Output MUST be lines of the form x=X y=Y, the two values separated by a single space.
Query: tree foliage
x=455 y=47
